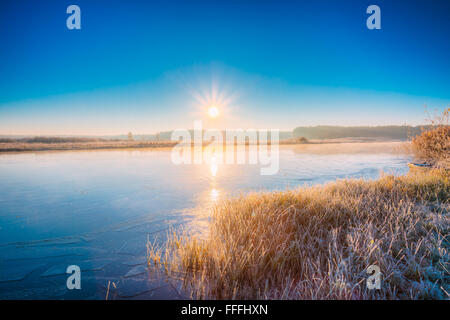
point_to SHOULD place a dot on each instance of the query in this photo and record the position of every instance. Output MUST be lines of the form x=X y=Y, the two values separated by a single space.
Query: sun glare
x=213 y=112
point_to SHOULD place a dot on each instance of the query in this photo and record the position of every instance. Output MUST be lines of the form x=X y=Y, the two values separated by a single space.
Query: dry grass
x=18 y=146
x=317 y=243
x=433 y=145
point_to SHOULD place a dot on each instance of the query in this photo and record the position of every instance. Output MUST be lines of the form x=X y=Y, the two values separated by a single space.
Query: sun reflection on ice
x=214 y=194
x=214 y=168
x=213 y=165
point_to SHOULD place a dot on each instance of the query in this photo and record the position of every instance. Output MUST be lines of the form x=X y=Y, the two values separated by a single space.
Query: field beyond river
x=62 y=144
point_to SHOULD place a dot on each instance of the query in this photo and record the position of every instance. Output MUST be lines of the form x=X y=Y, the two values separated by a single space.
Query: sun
x=213 y=111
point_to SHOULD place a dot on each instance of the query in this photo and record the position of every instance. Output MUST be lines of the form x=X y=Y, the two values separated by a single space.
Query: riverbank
x=317 y=242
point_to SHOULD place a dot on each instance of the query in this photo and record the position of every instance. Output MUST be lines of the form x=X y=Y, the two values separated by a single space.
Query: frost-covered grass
x=317 y=243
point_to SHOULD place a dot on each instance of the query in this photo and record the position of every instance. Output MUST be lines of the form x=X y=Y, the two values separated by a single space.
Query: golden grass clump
x=317 y=243
x=433 y=145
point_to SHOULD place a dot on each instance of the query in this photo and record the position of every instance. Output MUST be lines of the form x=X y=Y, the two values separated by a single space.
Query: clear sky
x=146 y=66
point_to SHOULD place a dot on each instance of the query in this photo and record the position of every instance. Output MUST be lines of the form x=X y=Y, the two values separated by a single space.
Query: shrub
x=433 y=145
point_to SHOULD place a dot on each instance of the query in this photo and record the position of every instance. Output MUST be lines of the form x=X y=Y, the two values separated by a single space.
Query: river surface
x=97 y=209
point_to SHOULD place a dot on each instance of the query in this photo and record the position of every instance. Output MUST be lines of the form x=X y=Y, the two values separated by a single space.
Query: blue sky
x=146 y=66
